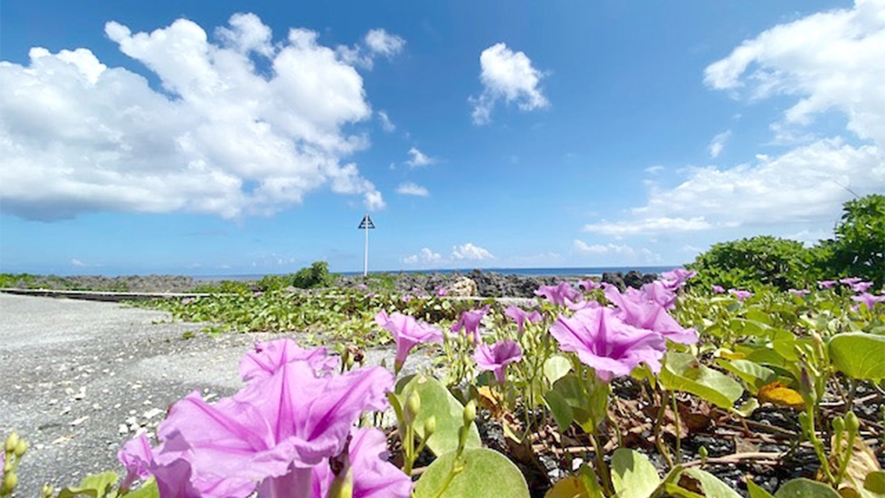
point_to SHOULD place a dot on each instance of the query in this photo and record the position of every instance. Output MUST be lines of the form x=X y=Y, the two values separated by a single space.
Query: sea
x=532 y=272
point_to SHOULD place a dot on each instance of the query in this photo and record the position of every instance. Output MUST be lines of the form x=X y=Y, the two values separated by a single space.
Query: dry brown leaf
x=779 y=394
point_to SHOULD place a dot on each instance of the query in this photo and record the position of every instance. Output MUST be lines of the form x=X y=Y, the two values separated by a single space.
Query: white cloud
x=830 y=60
x=373 y=200
x=76 y=262
x=648 y=225
x=386 y=124
x=409 y=188
x=619 y=252
x=419 y=158
x=383 y=43
x=718 y=143
x=377 y=42
x=221 y=138
x=510 y=76
x=424 y=256
x=654 y=170
x=471 y=252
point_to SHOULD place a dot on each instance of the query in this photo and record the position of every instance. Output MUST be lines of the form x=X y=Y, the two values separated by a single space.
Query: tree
x=858 y=249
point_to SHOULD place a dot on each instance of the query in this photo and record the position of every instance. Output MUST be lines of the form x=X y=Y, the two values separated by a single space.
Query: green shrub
x=757 y=261
x=316 y=276
x=859 y=243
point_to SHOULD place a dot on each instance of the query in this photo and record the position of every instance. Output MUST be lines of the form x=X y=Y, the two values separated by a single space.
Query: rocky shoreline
x=487 y=283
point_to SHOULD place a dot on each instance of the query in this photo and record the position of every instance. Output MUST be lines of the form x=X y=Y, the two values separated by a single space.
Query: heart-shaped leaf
x=479 y=472
x=683 y=372
x=859 y=355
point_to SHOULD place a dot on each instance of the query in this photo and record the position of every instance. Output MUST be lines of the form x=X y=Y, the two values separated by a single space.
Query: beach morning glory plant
x=407 y=332
x=496 y=357
x=469 y=322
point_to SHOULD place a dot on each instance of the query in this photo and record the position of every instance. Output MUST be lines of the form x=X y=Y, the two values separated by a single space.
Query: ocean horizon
x=532 y=272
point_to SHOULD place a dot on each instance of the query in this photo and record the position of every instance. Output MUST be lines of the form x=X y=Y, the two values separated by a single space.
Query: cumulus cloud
x=510 y=76
x=470 y=252
x=410 y=188
x=221 y=138
x=424 y=256
x=419 y=158
x=829 y=61
x=377 y=42
x=718 y=143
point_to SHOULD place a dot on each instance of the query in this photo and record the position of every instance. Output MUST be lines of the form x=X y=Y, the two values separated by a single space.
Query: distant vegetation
x=855 y=251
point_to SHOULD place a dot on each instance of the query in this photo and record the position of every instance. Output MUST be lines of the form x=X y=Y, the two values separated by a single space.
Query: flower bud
x=413 y=404
x=703 y=453
x=429 y=426
x=21 y=448
x=48 y=491
x=838 y=424
x=11 y=442
x=9 y=482
x=470 y=412
x=851 y=422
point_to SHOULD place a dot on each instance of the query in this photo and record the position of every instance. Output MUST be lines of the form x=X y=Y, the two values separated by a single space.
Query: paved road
x=77 y=379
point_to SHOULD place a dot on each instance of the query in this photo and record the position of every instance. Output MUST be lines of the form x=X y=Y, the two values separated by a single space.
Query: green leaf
x=753 y=374
x=556 y=367
x=683 y=372
x=570 y=487
x=95 y=485
x=805 y=488
x=859 y=355
x=588 y=399
x=147 y=490
x=633 y=476
x=559 y=407
x=712 y=486
x=756 y=492
x=437 y=401
x=480 y=472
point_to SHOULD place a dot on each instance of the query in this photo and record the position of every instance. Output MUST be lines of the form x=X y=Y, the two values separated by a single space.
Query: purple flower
x=799 y=292
x=718 y=289
x=860 y=287
x=850 y=280
x=604 y=342
x=658 y=292
x=635 y=309
x=496 y=357
x=470 y=321
x=361 y=287
x=868 y=299
x=373 y=475
x=677 y=277
x=276 y=429
x=826 y=284
x=441 y=291
x=268 y=357
x=407 y=332
x=560 y=294
x=740 y=294
x=588 y=284
x=407 y=298
x=520 y=316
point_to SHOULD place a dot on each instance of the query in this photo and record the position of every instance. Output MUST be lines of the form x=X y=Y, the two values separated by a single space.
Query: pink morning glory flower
x=740 y=294
x=361 y=287
x=373 y=475
x=520 y=316
x=677 y=277
x=869 y=300
x=799 y=292
x=603 y=341
x=850 y=280
x=268 y=357
x=827 y=284
x=861 y=287
x=470 y=321
x=588 y=284
x=407 y=332
x=658 y=292
x=718 y=289
x=441 y=291
x=407 y=298
x=496 y=357
x=560 y=294
x=276 y=429
x=636 y=310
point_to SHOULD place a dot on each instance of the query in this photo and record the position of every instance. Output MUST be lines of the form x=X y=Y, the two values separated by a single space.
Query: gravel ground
x=78 y=379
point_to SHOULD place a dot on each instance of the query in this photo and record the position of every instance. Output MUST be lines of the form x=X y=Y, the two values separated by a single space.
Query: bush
x=316 y=276
x=749 y=263
x=859 y=243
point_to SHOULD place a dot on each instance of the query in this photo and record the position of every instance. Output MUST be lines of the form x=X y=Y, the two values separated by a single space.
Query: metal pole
x=366 y=258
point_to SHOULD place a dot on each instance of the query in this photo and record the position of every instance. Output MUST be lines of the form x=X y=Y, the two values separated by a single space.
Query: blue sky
x=230 y=138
